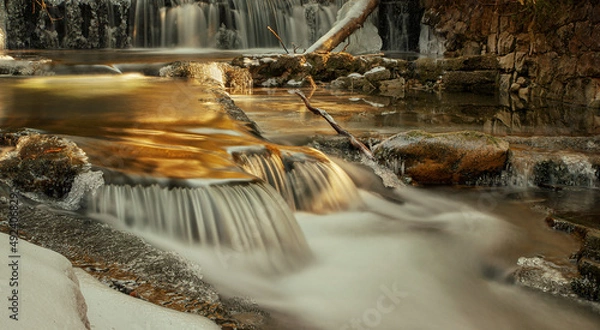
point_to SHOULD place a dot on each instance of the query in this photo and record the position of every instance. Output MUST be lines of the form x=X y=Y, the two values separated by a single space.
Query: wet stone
x=445 y=158
x=43 y=164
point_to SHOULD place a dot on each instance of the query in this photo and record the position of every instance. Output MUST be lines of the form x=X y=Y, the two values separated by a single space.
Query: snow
x=54 y=295
x=375 y=69
x=251 y=62
x=48 y=295
x=268 y=60
x=355 y=75
x=110 y=309
x=293 y=82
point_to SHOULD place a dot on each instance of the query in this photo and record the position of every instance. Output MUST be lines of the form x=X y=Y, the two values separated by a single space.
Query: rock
x=392 y=85
x=524 y=94
x=49 y=168
x=514 y=87
x=427 y=69
x=9 y=66
x=471 y=48
x=587 y=284
x=520 y=58
x=378 y=73
x=484 y=82
x=217 y=74
x=506 y=43
x=543 y=275
x=445 y=158
x=507 y=62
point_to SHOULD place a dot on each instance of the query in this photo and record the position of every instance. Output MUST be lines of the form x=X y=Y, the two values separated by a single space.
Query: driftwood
x=354 y=141
x=357 y=14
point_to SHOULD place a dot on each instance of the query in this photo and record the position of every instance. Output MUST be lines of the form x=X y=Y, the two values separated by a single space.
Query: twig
x=346 y=47
x=278 y=38
x=355 y=142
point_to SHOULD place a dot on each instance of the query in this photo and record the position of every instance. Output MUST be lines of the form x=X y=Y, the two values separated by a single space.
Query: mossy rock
x=443 y=158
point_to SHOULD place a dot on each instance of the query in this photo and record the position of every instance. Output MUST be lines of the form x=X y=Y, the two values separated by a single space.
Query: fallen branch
x=354 y=141
x=278 y=38
x=357 y=13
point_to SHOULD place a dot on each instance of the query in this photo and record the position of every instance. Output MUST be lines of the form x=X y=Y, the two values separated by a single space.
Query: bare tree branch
x=354 y=141
x=278 y=38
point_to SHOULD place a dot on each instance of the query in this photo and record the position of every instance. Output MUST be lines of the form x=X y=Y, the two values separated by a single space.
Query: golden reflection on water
x=133 y=124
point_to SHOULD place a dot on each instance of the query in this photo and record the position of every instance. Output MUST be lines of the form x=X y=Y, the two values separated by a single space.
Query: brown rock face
x=445 y=158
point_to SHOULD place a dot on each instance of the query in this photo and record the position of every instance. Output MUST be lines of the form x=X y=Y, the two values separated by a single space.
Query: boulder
x=444 y=158
x=48 y=168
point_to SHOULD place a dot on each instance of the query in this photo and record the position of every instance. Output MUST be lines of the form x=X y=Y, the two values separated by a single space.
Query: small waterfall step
x=306 y=178
x=246 y=217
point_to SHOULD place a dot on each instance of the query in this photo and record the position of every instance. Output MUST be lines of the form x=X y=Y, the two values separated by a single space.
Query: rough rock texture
x=549 y=49
x=587 y=284
x=445 y=158
x=42 y=164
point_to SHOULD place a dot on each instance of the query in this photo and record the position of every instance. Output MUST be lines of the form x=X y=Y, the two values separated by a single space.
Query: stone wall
x=548 y=50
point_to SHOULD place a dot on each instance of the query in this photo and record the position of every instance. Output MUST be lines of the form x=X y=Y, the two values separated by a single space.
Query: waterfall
x=429 y=42
x=308 y=182
x=68 y=24
x=229 y=24
x=399 y=24
x=245 y=217
x=3 y=19
x=223 y=24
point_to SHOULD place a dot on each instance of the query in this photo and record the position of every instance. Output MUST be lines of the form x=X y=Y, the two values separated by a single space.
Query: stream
x=436 y=257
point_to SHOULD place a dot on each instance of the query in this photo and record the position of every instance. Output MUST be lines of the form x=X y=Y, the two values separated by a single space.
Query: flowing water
x=310 y=246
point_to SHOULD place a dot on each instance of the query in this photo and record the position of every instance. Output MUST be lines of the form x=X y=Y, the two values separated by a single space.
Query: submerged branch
x=353 y=140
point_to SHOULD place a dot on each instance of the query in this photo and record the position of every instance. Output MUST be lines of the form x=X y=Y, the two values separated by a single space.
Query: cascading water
x=308 y=182
x=246 y=217
x=399 y=24
x=235 y=24
x=3 y=19
x=229 y=24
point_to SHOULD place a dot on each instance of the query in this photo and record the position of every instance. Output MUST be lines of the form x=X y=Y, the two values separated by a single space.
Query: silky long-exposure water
x=434 y=258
